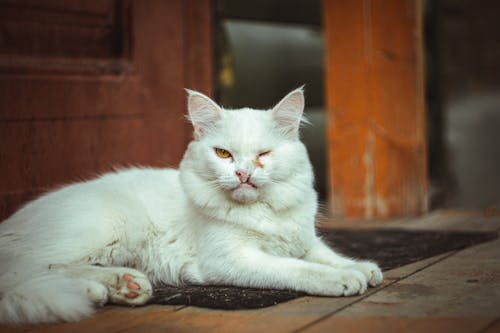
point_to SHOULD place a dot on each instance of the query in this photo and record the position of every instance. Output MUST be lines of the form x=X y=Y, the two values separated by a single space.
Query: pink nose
x=242 y=175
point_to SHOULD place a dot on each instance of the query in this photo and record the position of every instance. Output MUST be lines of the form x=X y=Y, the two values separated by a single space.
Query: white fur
x=198 y=224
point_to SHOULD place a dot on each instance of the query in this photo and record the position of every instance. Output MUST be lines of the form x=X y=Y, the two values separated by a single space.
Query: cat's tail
x=42 y=298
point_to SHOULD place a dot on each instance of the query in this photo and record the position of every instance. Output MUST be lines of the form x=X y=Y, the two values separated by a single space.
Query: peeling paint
x=369 y=201
x=381 y=206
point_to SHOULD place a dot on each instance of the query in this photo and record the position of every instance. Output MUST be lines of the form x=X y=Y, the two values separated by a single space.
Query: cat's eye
x=222 y=153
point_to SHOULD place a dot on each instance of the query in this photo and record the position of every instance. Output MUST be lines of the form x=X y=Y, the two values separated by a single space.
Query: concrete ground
x=458 y=291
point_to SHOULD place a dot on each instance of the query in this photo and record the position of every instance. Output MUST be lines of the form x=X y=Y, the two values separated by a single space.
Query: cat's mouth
x=245 y=192
x=247 y=184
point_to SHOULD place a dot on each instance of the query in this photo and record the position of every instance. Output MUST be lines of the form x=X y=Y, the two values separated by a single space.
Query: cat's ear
x=288 y=113
x=203 y=112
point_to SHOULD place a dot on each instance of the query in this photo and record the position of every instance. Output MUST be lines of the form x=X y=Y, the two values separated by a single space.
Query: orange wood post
x=375 y=107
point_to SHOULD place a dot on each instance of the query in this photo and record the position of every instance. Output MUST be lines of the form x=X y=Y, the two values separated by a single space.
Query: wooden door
x=86 y=86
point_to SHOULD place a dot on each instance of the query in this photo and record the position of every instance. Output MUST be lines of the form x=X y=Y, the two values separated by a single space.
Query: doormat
x=390 y=248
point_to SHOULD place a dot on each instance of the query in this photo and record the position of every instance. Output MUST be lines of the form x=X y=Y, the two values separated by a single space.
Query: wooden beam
x=375 y=108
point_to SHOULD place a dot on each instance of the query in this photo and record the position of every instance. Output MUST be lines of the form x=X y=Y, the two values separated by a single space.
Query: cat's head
x=244 y=156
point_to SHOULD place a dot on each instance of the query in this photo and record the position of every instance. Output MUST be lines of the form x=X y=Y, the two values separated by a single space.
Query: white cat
x=239 y=211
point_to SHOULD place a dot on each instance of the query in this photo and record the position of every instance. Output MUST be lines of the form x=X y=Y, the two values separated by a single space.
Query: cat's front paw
x=347 y=282
x=370 y=270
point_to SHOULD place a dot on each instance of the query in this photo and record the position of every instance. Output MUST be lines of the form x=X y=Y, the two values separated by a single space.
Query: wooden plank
x=408 y=325
x=448 y=219
x=284 y=317
x=281 y=318
x=107 y=320
x=407 y=270
x=494 y=327
x=376 y=130
x=459 y=293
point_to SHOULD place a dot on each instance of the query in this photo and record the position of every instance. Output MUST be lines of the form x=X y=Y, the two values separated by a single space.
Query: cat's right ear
x=203 y=113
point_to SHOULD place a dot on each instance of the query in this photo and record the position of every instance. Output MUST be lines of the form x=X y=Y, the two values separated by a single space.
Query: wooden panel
x=64 y=36
x=48 y=154
x=376 y=132
x=198 y=50
x=50 y=29
x=20 y=97
x=59 y=127
x=198 y=45
x=81 y=148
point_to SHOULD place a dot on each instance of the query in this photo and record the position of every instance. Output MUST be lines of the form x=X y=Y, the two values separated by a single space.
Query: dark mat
x=390 y=248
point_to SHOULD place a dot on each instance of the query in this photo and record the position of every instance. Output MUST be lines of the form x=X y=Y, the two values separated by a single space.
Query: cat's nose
x=242 y=175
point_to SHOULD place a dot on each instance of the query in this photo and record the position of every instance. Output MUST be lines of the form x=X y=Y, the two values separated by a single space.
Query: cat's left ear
x=203 y=112
x=288 y=112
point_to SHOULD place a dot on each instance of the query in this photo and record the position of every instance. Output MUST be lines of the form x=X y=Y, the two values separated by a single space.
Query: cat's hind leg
x=122 y=285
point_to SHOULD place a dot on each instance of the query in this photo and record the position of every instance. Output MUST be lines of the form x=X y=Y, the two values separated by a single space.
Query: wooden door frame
x=375 y=108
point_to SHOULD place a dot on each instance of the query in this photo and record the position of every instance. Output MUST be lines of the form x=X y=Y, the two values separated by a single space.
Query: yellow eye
x=222 y=153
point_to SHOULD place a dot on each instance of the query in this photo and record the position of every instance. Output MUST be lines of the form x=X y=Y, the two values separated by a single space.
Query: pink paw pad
x=132 y=290
x=131 y=285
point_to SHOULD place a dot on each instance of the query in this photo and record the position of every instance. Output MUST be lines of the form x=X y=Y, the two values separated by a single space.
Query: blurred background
x=403 y=96
x=266 y=48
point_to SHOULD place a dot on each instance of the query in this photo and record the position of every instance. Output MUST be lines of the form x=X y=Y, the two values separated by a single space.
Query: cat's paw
x=370 y=270
x=130 y=289
x=346 y=282
x=96 y=292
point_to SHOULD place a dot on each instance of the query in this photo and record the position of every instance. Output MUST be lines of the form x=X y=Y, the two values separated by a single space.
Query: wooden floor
x=455 y=292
